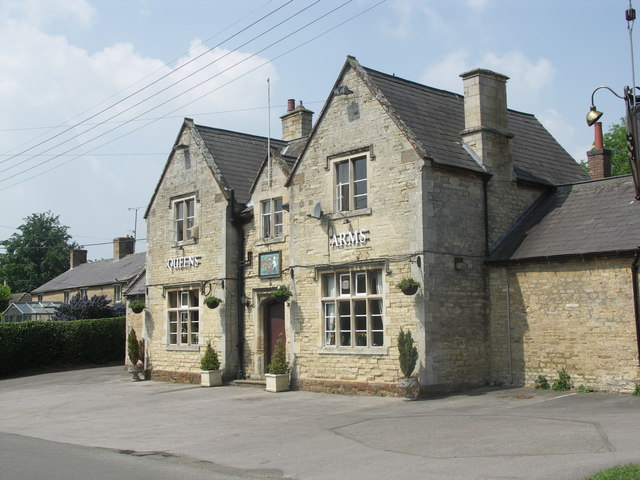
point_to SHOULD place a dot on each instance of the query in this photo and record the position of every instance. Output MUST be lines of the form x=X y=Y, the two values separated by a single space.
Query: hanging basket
x=212 y=302
x=136 y=306
x=409 y=286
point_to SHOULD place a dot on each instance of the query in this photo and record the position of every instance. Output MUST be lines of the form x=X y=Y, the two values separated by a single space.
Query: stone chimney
x=77 y=257
x=485 y=120
x=123 y=246
x=296 y=123
x=599 y=158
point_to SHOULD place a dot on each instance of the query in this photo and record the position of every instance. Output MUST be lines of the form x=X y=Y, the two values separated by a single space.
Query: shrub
x=278 y=363
x=408 y=353
x=636 y=392
x=542 y=383
x=34 y=345
x=584 y=389
x=563 y=382
x=209 y=360
x=133 y=347
x=81 y=307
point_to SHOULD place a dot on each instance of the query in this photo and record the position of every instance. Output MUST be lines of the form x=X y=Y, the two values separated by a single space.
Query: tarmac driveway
x=483 y=434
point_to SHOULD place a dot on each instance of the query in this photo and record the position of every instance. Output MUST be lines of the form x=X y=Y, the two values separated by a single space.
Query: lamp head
x=593 y=116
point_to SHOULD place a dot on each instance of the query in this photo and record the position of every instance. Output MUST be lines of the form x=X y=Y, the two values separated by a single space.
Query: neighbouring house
x=29 y=311
x=395 y=180
x=110 y=277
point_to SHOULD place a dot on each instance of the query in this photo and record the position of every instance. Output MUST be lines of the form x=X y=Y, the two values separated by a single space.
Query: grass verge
x=625 y=472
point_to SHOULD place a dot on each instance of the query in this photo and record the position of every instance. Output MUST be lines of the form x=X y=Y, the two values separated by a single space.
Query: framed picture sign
x=270 y=264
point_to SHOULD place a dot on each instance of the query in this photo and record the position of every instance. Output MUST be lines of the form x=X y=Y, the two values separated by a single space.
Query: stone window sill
x=183 y=348
x=353 y=351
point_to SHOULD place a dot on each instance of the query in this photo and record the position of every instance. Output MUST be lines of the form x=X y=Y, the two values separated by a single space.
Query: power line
x=206 y=94
x=152 y=83
x=178 y=95
x=149 y=85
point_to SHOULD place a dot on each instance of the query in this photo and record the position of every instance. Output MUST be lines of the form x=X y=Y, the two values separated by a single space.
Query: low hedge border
x=34 y=345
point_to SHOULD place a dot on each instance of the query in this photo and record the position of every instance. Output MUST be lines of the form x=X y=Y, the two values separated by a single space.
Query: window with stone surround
x=272 y=218
x=351 y=183
x=184 y=218
x=117 y=293
x=352 y=307
x=183 y=312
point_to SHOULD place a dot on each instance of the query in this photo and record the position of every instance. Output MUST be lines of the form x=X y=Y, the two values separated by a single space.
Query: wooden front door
x=274 y=329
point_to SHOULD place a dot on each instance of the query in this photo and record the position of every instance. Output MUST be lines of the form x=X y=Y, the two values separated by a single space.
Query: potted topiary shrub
x=281 y=294
x=212 y=302
x=211 y=375
x=136 y=306
x=133 y=351
x=278 y=370
x=409 y=286
x=408 y=359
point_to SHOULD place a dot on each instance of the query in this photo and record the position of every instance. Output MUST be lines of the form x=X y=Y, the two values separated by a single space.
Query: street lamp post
x=632 y=111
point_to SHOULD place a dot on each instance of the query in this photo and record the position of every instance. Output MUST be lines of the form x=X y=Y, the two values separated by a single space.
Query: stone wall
x=355 y=124
x=216 y=248
x=577 y=315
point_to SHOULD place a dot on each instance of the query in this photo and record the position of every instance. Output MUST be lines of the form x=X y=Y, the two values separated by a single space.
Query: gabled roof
x=588 y=218
x=138 y=285
x=433 y=120
x=239 y=156
x=102 y=272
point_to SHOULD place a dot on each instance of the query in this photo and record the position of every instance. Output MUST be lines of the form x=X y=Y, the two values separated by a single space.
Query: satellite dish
x=317 y=211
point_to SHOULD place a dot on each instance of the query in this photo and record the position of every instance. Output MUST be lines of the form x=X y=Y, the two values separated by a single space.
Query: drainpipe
x=485 y=193
x=636 y=301
x=236 y=221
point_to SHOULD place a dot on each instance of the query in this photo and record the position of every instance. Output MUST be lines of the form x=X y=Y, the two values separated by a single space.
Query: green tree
x=615 y=139
x=5 y=297
x=37 y=253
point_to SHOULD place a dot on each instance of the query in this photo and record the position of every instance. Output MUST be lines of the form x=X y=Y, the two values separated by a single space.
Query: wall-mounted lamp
x=246 y=301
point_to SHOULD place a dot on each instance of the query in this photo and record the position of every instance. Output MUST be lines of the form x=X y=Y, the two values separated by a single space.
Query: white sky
x=67 y=61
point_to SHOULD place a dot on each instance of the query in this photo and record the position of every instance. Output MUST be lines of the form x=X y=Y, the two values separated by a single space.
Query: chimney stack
x=485 y=120
x=123 y=246
x=296 y=123
x=599 y=158
x=77 y=257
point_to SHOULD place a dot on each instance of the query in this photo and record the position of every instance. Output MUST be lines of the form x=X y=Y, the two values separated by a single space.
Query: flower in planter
x=281 y=294
x=136 y=306
x=212 y=302
x=409 y=286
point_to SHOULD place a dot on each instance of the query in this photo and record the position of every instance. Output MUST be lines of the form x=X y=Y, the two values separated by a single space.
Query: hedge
x=34 y=345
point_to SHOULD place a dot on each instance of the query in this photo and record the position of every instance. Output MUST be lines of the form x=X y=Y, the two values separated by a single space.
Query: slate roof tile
x=101 y=272
x=594 y=217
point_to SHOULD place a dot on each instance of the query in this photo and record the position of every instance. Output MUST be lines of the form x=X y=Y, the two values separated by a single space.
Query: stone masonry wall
x=257 y=288
x=393 y=226
x=216 y=247
x=455 y=292
x=577 y=315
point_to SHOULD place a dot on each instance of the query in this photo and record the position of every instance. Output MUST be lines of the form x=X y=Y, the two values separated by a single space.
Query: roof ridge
x=235 y=132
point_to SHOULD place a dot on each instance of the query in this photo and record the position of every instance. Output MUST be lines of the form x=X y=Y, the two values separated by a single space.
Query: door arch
x=273 y=329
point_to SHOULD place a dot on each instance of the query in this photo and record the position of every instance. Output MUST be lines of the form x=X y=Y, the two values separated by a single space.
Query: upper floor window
x=272 y=218
x=184 y=317
x=184 y=218
x=117 y=293
x=83 y=293
x=352 y=309
x=351 y=184
x=67 y=296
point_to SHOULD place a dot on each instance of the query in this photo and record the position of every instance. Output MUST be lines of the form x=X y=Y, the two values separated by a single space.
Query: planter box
x=210 y=378
x=277 y=382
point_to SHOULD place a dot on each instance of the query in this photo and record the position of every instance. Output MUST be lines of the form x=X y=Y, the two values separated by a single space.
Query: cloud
x=477 y=4
x=43 y=13
x=527 y=78
x=406 y=13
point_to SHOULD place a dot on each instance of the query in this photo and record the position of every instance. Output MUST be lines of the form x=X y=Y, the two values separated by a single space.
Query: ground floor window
x=352 y=307
x=184 y=317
